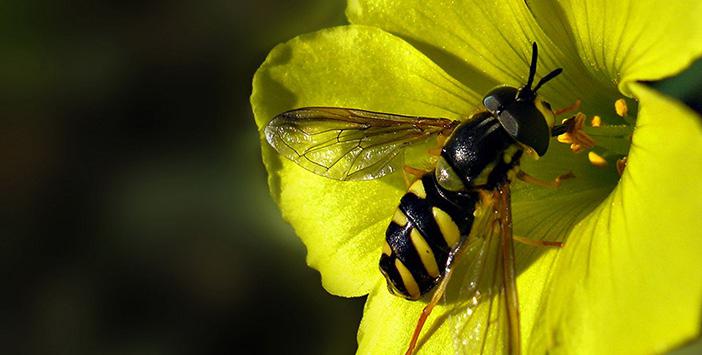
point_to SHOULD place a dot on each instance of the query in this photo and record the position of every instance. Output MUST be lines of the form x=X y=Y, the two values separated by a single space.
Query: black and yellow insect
x=465 y=198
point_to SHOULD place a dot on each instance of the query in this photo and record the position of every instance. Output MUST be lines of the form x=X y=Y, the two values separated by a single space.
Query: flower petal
x=483 y=43
x=625 y=41
x=629 y=279
x=343 y=223
x=388 y=322
x=551 y=213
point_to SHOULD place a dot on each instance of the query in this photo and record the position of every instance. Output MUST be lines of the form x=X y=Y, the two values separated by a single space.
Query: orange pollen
x=596 y=160
x=596 y=121
x=576 y=136
x=621 y=108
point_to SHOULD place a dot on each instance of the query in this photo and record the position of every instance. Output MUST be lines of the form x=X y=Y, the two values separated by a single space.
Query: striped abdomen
x=429 y=222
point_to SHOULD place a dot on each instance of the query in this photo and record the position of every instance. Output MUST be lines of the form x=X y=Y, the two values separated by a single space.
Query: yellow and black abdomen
x=428 y=223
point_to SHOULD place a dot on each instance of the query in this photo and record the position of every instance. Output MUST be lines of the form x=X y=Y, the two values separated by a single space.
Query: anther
x=575 y=135
x=596 y=121
x=596 y=160
x=621 y=108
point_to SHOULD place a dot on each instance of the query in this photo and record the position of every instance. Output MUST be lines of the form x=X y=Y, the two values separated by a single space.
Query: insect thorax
x=472 y=153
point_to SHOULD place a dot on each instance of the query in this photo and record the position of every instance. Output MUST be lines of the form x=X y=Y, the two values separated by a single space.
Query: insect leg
x=435 y=298
x=521 y=175
x=573 y=107
x=536 y=242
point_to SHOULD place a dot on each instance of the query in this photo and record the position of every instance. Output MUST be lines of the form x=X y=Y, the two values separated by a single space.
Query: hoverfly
x=460 y=207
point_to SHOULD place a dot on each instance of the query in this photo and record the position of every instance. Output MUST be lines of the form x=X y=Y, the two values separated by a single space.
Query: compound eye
x=499 y=98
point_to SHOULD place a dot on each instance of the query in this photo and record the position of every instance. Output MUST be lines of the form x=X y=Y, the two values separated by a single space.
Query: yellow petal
x=484 y=43
x=628 y=40
x=343 y=223
x=629 y=279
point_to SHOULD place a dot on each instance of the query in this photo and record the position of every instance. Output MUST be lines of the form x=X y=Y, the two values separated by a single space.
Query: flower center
x=597 y=141
x=606 y=144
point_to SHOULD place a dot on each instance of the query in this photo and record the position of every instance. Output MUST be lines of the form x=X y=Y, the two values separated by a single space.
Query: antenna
x=532 y=67
x=526 y=92
x=548 y=77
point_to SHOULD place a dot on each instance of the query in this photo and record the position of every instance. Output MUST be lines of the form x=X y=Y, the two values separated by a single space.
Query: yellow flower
x=629 y=279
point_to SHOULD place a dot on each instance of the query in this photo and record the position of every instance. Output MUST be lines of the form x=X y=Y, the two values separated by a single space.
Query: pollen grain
x=596 y=159
x=621 y=108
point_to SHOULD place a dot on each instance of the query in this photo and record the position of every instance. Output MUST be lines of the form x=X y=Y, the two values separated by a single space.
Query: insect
x=462 y=206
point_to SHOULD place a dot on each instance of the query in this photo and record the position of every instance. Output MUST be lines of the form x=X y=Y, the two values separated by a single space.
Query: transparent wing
x=482 y=294
x=349 y=144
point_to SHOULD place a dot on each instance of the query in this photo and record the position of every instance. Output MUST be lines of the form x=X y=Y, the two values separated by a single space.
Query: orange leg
x=544 y=183
x=537 y=243
x=573 y=107
x=435 y=298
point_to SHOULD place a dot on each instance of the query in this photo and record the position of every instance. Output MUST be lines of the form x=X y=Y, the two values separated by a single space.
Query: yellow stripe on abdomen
x=399 y=218
x=449 y=229
x=425 y=253
x=417 y=188
x=407 y=279
x=386 y=249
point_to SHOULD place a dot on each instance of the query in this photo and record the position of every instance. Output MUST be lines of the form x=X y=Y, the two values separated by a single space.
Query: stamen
x=621 y=164
x=596 y=121
x=596 y=160
x=621 y=108
x=573 y=107
x=610 y=137
x=575 y=135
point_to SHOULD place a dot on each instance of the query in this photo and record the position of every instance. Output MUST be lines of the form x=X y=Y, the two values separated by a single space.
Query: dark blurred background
x=134 y=212
x=135 y=216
